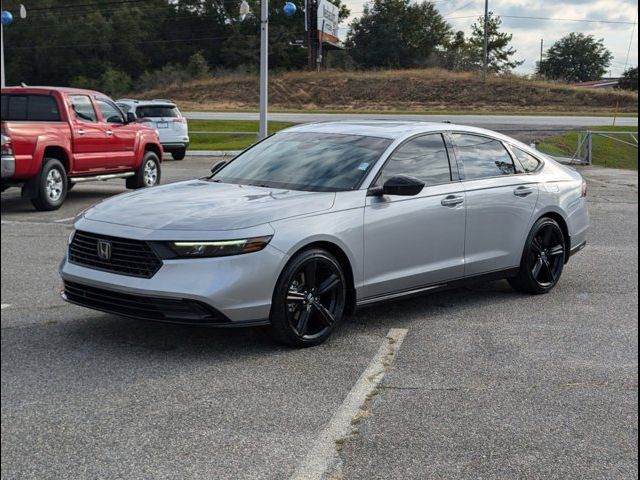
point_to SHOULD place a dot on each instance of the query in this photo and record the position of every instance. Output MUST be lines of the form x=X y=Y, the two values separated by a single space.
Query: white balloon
x=23 y=11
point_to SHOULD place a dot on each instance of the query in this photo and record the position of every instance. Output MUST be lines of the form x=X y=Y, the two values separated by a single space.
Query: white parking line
x=5 y=305
x=64 y=220
x=322 y=454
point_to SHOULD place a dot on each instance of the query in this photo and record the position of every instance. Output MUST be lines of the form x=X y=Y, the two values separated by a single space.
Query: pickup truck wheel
x=52 y=185
x=148 y=174
x=179 y=154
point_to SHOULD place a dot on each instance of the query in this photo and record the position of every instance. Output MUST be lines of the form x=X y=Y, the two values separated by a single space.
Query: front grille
x=140 y=306
x=128 y=257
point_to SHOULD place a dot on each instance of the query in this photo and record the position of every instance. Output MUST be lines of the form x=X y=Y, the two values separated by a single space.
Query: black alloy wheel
x=309 y=300
x=543 y=259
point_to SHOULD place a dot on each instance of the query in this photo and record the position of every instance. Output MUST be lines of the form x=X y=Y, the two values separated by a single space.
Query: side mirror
x=131 y=117
x=217 y=166
x=399 y=185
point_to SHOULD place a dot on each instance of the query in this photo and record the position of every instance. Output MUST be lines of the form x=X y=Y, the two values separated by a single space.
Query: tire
x=309 y=299
x=148 y=174
x=51 y=189
x=543 y=258
x=179 y=154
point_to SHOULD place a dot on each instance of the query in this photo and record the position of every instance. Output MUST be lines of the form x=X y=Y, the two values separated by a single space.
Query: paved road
x=495 y=122
x=487 y=384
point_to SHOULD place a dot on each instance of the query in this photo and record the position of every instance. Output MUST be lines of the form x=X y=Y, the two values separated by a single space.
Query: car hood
x=204 y=205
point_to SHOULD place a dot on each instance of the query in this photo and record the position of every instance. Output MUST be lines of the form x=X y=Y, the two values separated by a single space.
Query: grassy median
x=606 y=152
x=234 y=134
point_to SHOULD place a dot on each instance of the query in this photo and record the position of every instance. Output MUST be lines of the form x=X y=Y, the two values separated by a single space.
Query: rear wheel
x=148 y=174
x=179 y=154
x=51 y=189
x=309 y=299
x=543 y=258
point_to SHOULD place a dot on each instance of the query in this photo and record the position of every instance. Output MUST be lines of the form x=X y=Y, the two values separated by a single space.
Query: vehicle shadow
x=108 y=332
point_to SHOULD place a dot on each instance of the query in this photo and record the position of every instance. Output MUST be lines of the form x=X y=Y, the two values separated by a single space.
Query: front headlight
x=220 y=248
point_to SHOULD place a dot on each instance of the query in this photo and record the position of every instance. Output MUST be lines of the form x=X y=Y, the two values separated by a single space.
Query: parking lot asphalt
x=488 y=383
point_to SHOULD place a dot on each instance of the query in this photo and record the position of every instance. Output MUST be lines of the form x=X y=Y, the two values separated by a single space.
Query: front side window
x=424 y=158
x=83 y=108
x=528 y=161
x=482 y=157
x=35 y=108
x=110 y=113
x=322 y=162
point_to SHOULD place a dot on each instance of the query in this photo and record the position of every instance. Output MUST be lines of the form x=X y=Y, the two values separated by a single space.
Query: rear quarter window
x=155 y=111
x=33 y=108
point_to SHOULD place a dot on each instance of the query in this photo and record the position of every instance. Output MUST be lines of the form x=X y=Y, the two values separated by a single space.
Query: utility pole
x=264 y=67
x=2 y=47
x=312 y=33
x=485 y=66
x=541 y=50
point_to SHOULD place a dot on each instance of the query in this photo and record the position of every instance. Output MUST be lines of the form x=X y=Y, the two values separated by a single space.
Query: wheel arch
x=564 y=226
x=59 y=153
x=152 y=147
x=345 y=263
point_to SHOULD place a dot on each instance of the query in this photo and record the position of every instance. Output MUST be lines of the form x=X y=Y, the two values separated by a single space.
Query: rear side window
x=154 y=111
x=482 y=157
x=528 y=161
x=423 y=157
x=34 y=108
x=83 y=108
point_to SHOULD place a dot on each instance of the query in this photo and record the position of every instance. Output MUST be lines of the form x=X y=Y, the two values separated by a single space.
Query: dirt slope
x=406 y=90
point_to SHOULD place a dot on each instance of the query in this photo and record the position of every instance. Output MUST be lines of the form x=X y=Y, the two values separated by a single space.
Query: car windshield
x=306 y=161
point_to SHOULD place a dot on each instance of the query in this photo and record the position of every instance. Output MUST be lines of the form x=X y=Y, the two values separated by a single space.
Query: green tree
x=397 y=34
x=197 y=67
x=499 y=49
x=576 y=58
x=459 y=55
x=629 y=80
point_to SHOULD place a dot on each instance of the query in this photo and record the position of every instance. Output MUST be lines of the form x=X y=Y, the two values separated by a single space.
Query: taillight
x=584 y=188
x=179 y=120
x=7 y=146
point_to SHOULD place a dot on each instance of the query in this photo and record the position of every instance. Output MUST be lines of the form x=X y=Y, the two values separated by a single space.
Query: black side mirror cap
x=217 y=166
x=131 y=117
x=403 y=185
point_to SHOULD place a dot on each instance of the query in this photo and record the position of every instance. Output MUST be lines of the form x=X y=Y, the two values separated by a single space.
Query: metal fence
x=584 y=151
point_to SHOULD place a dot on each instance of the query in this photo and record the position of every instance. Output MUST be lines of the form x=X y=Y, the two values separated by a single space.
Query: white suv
x=165 y=117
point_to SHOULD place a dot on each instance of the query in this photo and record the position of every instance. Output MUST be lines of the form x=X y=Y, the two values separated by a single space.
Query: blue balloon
x=289 y=9
x=7 y=18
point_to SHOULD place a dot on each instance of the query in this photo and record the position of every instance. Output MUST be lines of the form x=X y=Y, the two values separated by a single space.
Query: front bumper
x=224 y=291
x=8 y=166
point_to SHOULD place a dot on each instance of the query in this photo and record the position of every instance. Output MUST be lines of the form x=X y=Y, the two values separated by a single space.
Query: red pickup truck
x=53 y=138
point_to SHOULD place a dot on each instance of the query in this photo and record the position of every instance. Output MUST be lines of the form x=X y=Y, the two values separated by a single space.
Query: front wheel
x=51 y=188
x=309 y=299
x=543 y=258
x=148 y=174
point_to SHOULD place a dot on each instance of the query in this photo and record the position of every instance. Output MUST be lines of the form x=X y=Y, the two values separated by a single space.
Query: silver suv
x=164 y=116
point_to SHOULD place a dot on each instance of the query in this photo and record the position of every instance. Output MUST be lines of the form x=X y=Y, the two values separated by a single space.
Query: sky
x=527 y=33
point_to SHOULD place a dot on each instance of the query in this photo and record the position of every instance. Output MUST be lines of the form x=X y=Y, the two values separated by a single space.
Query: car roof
x=144 y=103
x=46 y=90
x=392 y=129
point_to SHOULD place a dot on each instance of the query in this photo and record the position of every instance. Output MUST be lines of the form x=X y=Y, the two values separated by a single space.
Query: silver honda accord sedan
x=314 y=221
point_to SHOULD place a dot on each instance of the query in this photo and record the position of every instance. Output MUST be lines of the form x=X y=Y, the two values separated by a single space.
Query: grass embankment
x=605 y=152
x=398 y=91
x=233 y=137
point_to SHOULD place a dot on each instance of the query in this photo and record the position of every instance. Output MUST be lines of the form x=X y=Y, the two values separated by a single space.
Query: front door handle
x=452 y=201
x=110 y=132
x=80 y=131
x=523 y=191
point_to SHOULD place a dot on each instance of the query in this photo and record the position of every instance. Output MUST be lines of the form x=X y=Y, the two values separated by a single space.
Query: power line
x=522 y=17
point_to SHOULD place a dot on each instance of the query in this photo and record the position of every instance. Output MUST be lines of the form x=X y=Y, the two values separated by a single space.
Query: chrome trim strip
x=390 y=296
x=101 y=177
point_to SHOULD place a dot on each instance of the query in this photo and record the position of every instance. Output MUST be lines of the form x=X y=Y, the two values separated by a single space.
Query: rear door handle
x=109 y=132
x=80 y=131
x=452 y=201
x=523 y=191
